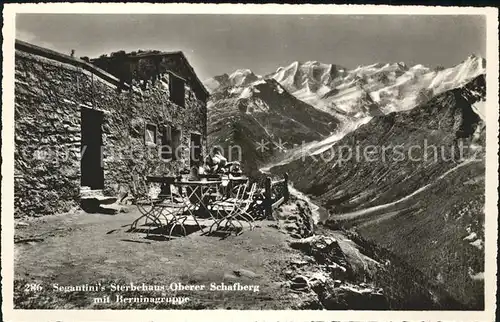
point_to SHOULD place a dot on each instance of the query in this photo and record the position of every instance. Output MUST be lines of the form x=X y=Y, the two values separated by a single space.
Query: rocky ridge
x=341 y=271
x=423 y=201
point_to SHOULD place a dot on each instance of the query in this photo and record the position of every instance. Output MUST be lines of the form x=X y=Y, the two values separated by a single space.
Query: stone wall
x=50 y=91
x=124 y=133
x=149 y=66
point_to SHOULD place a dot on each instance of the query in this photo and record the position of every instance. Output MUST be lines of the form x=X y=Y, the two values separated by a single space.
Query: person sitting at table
x=216 y=161
x=235 y=168
x=194 y=173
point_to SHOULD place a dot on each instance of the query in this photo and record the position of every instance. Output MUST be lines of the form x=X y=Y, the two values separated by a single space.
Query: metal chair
x=162 y=210
x=233 y=211
x=145 y=202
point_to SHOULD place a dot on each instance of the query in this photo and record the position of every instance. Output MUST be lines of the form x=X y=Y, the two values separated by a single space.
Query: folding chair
x=234 y=210
x=173 y=209
x=190 y=204
x=145 y=202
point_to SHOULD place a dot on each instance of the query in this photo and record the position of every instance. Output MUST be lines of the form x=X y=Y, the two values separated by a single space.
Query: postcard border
x=492 y=114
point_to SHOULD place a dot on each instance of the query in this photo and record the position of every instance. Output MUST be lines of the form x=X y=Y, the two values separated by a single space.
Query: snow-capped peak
x=212 y=84
x=473 y=56
x=392 y=86
x=240 y=77
x=304 y=75
x=402 y=65
x=241 y=72
x=243 y=77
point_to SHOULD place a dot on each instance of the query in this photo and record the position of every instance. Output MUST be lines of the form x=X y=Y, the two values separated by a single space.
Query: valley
x=419 y=190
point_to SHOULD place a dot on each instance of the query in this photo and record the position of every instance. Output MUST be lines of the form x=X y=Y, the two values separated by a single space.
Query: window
x=166 y=143
x=176 y=87
x=170 y=143
x=195 y=150
x=176 y=143
x=150 y=135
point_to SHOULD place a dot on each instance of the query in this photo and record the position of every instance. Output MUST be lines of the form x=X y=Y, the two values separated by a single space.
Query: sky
x=216 y=44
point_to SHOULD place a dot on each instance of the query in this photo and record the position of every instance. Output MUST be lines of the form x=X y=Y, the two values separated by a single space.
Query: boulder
x=300 y=283
x=353 y=297
x=324 y=249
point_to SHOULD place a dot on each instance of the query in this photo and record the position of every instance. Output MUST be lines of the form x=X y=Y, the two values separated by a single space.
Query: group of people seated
x=216 y=163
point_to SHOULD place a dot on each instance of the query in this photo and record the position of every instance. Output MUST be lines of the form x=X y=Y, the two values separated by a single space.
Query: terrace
x=213 y=204
x=79 y=249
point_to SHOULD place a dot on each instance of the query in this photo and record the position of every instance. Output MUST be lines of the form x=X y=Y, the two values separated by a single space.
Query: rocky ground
x=295 y=263
x=81 y=248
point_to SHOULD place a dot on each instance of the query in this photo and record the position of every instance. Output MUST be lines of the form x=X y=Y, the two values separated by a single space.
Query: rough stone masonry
x=51 y=89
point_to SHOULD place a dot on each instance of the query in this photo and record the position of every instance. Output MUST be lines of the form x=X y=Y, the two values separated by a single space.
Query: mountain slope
x=352 y=97
x=245 y=111
x=417 y=193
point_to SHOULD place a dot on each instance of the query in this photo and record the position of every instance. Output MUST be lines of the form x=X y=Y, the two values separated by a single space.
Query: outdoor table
x=238 y=179
x=176 y=210
x=203 y=186
x=211 y=177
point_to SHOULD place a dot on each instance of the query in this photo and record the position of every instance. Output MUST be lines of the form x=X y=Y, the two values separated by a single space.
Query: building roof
x=48 y=53
x=180 y=54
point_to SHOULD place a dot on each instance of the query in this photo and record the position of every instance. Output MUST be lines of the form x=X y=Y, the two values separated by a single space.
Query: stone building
x=96 y=124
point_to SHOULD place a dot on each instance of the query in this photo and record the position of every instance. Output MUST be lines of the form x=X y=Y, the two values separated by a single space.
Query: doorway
x=92 y=172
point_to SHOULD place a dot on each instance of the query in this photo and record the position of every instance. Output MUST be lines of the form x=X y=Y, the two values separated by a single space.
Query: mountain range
x=311 y=105
x=263 y=113
x=420 y=194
